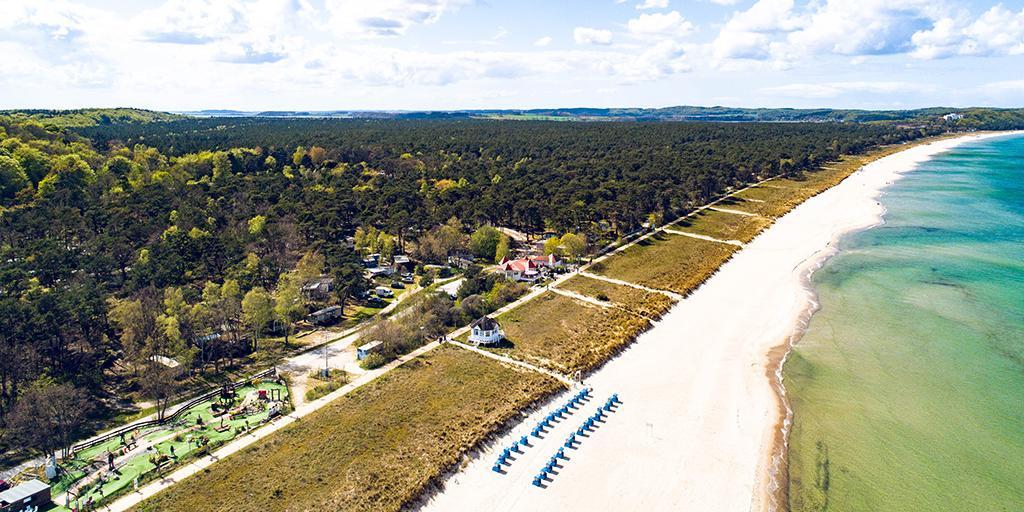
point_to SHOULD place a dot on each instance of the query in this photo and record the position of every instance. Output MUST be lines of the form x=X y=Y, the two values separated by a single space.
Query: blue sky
x=451 y=54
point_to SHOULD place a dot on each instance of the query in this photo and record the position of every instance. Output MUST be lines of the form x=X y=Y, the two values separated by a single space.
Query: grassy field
x=723 y=225
x=641 y=302
x=667 y=262
x=372 y=450
x=777 y=197
x=566 y=335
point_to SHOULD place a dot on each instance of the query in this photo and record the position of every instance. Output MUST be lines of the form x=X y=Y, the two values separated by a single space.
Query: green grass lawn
x=667 y=262
x=375 y=449
x=178 y=434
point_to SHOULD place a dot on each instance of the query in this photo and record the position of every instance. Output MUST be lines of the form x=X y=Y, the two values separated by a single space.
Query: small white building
x=952 y=117
x=485 y=331
x=369 y=348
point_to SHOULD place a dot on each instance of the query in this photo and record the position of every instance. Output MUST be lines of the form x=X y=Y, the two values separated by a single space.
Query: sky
x=183 y=55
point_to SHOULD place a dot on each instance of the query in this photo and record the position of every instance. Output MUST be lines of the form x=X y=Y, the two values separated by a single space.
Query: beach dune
x=700 y=415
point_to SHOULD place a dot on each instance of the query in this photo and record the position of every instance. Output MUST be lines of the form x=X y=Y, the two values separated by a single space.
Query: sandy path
x=737 y=243
x=700 y=414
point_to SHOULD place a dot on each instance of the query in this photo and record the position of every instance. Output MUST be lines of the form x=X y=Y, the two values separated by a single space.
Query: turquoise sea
x=908 y=387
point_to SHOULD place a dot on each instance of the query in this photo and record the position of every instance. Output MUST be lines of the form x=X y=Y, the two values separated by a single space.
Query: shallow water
x=908 y=387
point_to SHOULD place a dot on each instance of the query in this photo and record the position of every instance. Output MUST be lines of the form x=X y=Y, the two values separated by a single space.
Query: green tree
x=553 y=245
x=484 y=242
x=504 y=248
x=574 y=245
x=288 y=302
x=35 y=164
x=12 y=178
x=257 y=312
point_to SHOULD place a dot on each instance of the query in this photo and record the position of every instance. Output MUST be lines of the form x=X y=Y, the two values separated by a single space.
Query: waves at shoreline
x=773 y=494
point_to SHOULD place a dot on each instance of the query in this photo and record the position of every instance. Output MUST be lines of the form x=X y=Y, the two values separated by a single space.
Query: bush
x=427 y=279
x=372 y=361
x=602 y=297
x=323 y=389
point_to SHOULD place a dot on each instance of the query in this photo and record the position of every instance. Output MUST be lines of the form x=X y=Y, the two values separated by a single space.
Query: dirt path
x=737 y=243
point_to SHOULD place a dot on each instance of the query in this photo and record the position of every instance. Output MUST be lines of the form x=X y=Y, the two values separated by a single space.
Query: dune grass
x=723 y=225
x=565 y=334
x=777 y=197
x=644 y=303
x=375 y=449
x=667 y=262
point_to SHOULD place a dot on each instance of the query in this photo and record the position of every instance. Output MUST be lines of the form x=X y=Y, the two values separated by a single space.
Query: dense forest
x=126 y=235
x=532 y=176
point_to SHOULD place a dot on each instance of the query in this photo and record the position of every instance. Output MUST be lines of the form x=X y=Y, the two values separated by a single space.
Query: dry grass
x=777 y=197
x=667 y=262
x=723 y=225
x=375 y=449
x=644 y=303
x=567 y=335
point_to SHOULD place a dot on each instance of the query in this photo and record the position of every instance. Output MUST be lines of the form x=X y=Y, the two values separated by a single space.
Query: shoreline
x=772 y=489
x=701 y=416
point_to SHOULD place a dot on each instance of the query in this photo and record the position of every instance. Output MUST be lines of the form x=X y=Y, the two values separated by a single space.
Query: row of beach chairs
x=589 y=424
x=558 y=414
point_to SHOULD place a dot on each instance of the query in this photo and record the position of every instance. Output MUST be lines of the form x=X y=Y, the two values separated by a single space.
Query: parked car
x=397 y=285
x=384 y=291
x=375 y=302
x=408 y=278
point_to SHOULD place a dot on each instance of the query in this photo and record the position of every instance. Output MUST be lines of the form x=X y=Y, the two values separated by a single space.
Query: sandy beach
x=700 y=423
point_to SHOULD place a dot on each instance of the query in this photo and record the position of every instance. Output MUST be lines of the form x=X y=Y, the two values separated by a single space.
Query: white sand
x=699 y=416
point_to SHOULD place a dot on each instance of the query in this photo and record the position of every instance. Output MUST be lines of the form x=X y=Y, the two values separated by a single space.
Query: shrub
x=602 y=297
x=372 y=361
x=324 y=389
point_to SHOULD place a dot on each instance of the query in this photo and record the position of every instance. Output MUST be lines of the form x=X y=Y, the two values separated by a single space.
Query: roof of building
x=166 y=361
x=371 y=345
x=485 y=322
x=326 y=311
x=318 y=282
x=550 y=259
x=519 y=265
x=22 y=491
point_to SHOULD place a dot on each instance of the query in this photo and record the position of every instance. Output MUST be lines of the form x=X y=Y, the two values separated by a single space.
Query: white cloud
x=998 y=31
x=670 y=24
x=652 y=4
x=664 y=59
x=542 y=42
x=382 y=18
x=829 y=90
x=866 y=27
x=588 y=35
x=783 y=33
x=749 y=34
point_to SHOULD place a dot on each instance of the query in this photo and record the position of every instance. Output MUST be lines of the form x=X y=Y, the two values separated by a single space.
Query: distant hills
x=74 y=118
x=960 y=118
x=970 y=116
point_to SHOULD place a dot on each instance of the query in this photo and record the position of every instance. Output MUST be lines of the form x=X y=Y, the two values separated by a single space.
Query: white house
x=952 y=117
x=485 y=331
x=369 y=348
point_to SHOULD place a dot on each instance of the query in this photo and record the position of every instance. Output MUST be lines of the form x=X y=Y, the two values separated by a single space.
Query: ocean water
x=908 y=387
